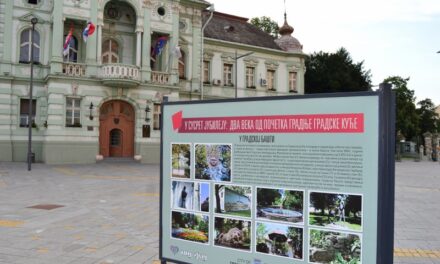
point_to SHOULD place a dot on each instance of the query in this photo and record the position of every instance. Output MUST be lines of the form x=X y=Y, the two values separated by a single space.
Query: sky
x=392 y=37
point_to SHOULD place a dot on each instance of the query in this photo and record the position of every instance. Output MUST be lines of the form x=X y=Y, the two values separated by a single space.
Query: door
x=115 y=143
x=116 y=130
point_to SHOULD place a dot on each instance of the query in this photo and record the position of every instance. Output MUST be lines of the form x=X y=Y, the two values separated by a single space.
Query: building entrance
x=116 y=129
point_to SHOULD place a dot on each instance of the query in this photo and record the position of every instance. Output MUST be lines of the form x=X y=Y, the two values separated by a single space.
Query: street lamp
x=91 y=111
x=147 y=111
x=34 y=21
x=211 y=9
x=236 y=69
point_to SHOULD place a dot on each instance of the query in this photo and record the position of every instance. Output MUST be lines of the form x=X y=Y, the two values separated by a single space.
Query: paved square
x=110 y=213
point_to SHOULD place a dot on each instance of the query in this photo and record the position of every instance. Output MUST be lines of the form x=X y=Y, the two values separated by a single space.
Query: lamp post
x=236 y=69
x=147 y=111
x=91 y=111
x=211 y=9
x=34 y=21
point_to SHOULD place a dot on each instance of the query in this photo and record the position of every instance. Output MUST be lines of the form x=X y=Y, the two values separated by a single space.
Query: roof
x=236 y=29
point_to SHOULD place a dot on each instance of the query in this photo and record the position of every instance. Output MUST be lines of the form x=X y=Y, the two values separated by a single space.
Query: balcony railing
x=160 y=77
x=74 y=69
x=120 y=75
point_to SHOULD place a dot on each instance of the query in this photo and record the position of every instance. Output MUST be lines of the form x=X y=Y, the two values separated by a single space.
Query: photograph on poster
x=202 y=191
x=182 y=195
x=232 y=233
x=233 y=200
x=213 y=162
x=279 y=239
x=335 y=210
x=181 y=160
x=334 y=247
x=192 y=227
x=280 y=205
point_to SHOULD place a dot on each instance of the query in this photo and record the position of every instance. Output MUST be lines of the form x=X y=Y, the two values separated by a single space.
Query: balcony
x=120 y=75
x=160 y=77
x=74 y=69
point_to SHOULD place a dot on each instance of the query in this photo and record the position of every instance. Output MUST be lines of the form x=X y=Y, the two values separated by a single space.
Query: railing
x=120 y=71
x=74 y=69
x=160 y=77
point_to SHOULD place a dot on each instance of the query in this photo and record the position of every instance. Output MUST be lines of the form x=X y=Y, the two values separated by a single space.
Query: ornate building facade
x=101 y=97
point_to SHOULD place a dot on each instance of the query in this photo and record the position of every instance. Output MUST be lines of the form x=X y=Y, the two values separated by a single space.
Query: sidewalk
x=109 y=213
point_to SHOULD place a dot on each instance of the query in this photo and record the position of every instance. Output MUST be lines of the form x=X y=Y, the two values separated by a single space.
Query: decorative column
x=174 y=61
x=138 y=47
x=146 y=39
x=5 y=67
x=99 y=44
x=91 y=55
x=57 y=38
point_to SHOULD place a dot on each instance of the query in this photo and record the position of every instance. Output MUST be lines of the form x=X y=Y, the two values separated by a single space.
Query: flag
x=158 y=47
x=177 y=52
x=88 y=31
x=66 y=46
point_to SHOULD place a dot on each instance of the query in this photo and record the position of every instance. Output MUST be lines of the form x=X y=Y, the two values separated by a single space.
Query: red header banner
x=317 y=123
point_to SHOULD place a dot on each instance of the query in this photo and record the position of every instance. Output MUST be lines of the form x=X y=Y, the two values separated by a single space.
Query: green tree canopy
x=267 y=25
x=335 y=72
x=407 y=120
x=428 y=117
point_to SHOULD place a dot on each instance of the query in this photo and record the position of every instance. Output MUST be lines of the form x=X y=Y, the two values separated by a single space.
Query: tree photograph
x=181 y=160
x=192 y=227
x=338 y=211
x=233 y=200
x=232 y=233
x=334 y=247
x=280 y=240
x=280 y=205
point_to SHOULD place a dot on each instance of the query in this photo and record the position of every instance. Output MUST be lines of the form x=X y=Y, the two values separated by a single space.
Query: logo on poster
x=174 y=249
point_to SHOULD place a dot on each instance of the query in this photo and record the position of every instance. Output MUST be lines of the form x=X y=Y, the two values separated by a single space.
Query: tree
x=428 y=117
x=407 y=120
x=267 y=25
x=267 y=197
x=335 y=72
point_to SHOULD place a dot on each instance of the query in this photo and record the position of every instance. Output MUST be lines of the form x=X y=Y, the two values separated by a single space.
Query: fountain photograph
x=334 y=247
x=192 y=227
x=201 y=202
x=335 y=210
x=280 y=205
x=279 y=239
x=181 y=160
x=213 y=162
x=233 y=200
x=232 y=233
x=182 y=196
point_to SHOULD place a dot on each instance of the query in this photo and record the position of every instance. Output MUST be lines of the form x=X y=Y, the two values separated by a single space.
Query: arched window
x=72 y=56
x=25 y=46
x=110 y=51
x=182 y=65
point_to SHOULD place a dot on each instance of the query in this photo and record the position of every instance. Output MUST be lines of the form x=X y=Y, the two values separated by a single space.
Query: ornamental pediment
x=27 y=18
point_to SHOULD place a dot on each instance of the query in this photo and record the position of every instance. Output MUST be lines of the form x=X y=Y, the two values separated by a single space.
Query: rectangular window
x=33 y=2
x=206 y=74
x=292 y=82
x=24 y=111
x=250 y=77
x=270 y=80
x=156 y=116
x=73 y=112
x=227 y=74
